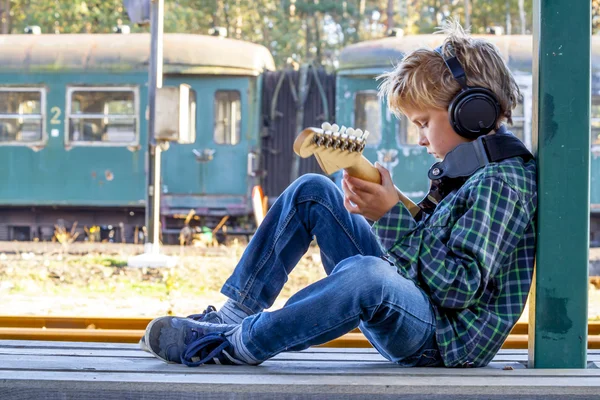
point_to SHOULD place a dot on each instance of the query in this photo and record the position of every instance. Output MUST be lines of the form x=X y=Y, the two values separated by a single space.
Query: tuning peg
x=350 y=131
x=365 y=136
x=358 y=133
x=343 y=129
x=335 y=128
x=326 y=126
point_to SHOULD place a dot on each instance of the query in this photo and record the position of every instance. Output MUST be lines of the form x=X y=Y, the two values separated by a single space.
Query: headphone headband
x=454 y=66
x=473 y=112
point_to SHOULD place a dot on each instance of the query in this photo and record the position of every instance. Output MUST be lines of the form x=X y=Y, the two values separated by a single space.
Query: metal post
x=561 y=139
x=467 y=14
x=300 y=105
x=154 y=152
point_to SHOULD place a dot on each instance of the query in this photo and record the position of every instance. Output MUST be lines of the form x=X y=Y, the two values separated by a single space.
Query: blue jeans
x=361 y=289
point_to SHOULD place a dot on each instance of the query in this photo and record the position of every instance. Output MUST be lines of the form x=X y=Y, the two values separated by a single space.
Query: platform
x=69 y=370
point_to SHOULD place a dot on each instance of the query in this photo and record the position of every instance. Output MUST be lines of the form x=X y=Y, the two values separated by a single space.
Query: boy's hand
x=371 y=200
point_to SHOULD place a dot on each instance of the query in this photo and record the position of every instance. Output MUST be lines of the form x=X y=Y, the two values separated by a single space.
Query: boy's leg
x=394 y=314
x=311 y=206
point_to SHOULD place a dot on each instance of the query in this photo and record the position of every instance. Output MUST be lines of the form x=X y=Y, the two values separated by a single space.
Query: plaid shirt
x=473 y=257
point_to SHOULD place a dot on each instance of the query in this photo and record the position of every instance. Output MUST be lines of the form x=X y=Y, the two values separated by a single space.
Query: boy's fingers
x=351 y=208
x=346 y=187
x=361 y=185
x=385 y=174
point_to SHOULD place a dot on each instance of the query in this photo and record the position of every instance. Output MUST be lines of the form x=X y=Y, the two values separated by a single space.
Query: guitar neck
x=363 y=169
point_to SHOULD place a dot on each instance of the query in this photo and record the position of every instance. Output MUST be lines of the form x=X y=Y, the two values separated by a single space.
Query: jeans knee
x=366 y=272
x=310 y=184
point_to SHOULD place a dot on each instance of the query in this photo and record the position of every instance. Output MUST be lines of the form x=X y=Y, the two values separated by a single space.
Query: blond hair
x=422 y=79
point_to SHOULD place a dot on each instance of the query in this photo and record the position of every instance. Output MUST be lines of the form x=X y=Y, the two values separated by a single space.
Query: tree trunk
x=239 y=21
x=508 y=19
x=389 y=23
x=226 y=17
x=522 y=15
x=5 y=17
x=319 y=55
x=308 y=40
x=436 y=13
x=358 y=21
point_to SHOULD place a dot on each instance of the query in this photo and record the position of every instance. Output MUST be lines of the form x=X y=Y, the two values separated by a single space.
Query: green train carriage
x=394 y=143
x=73 y=131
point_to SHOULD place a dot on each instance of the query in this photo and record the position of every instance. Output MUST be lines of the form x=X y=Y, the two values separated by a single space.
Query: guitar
x=338 y=148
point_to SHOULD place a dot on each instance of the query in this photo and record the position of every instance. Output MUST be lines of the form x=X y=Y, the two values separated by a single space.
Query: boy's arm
x=453 y=271
x=397 y=222
x=408 y=203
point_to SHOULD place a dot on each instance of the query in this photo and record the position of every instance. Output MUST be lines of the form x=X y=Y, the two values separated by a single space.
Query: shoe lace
x=199 y=317
x=205 y=349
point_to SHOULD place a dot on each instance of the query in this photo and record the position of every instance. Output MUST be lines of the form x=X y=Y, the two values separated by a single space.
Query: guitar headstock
x=333 y=146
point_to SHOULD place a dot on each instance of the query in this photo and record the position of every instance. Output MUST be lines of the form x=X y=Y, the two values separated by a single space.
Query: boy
x=442 y=289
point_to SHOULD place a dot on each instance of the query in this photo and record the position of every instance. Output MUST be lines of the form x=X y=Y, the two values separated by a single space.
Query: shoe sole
x=147 y=340
x=142 y=344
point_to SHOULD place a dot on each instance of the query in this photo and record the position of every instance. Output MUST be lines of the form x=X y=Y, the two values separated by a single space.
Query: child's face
x=435 y=131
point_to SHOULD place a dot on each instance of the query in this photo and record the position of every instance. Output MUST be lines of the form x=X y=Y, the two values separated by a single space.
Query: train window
x=22 y=116
x=407 y=133
x=228 y=116
x=595 y=120
x=367 y=115
x=102 y=116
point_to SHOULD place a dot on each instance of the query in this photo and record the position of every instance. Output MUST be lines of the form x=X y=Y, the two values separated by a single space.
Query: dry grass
x=92 y=279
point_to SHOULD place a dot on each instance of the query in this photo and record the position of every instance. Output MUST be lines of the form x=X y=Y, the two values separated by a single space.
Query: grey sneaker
x=185 y=341
x=208 y=315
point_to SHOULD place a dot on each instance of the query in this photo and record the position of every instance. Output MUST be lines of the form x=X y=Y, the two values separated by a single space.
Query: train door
x=402 y=156
x=392 y=142
x=358 y=106
x=214 y=168
x=368 y=115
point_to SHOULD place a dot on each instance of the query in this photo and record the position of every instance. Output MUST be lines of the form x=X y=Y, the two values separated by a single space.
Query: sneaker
x=185 y=341
x=208 y=315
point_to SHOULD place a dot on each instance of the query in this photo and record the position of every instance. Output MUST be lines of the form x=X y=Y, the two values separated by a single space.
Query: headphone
x=473 y=112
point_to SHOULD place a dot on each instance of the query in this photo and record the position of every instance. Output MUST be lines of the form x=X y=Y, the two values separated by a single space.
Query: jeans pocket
x=426 y=358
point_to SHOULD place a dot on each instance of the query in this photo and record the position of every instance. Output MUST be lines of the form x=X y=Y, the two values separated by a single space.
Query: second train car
x=394 y=142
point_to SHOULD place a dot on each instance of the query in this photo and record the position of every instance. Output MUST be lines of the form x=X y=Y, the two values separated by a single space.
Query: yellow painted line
x=518 y=341
x=73 y=322
x=12 y=321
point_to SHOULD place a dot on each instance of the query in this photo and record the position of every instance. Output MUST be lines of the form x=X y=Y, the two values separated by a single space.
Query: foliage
x=295 y=31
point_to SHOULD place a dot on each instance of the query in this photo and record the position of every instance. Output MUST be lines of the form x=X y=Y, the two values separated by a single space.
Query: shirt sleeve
x=455 y=269
x=393 y=226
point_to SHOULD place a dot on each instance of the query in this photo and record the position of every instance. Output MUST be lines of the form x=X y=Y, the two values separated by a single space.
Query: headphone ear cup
x=474 y=112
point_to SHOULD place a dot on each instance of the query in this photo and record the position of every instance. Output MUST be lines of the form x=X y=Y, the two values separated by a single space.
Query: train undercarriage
x=116 y=225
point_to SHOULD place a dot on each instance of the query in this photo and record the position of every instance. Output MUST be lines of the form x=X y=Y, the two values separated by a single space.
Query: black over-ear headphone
x=473 y=112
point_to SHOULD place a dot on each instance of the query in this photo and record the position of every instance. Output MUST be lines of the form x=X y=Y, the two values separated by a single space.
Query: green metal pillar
x=561 y=130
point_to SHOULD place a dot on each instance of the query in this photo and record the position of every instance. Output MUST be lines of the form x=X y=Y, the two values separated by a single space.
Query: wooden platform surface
x=72 y=370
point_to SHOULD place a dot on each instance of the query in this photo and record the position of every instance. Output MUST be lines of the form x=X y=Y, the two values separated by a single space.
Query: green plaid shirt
x=473 y=256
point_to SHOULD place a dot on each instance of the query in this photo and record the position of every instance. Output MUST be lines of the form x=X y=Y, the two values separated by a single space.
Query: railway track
x=129 y=330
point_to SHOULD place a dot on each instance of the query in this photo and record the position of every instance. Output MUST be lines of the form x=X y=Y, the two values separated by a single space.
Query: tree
x=5 y=16
x=67 y=16
x=595 y=16
x=298 y=30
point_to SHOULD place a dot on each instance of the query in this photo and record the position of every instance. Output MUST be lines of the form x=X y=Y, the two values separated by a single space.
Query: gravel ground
x=91 y=279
